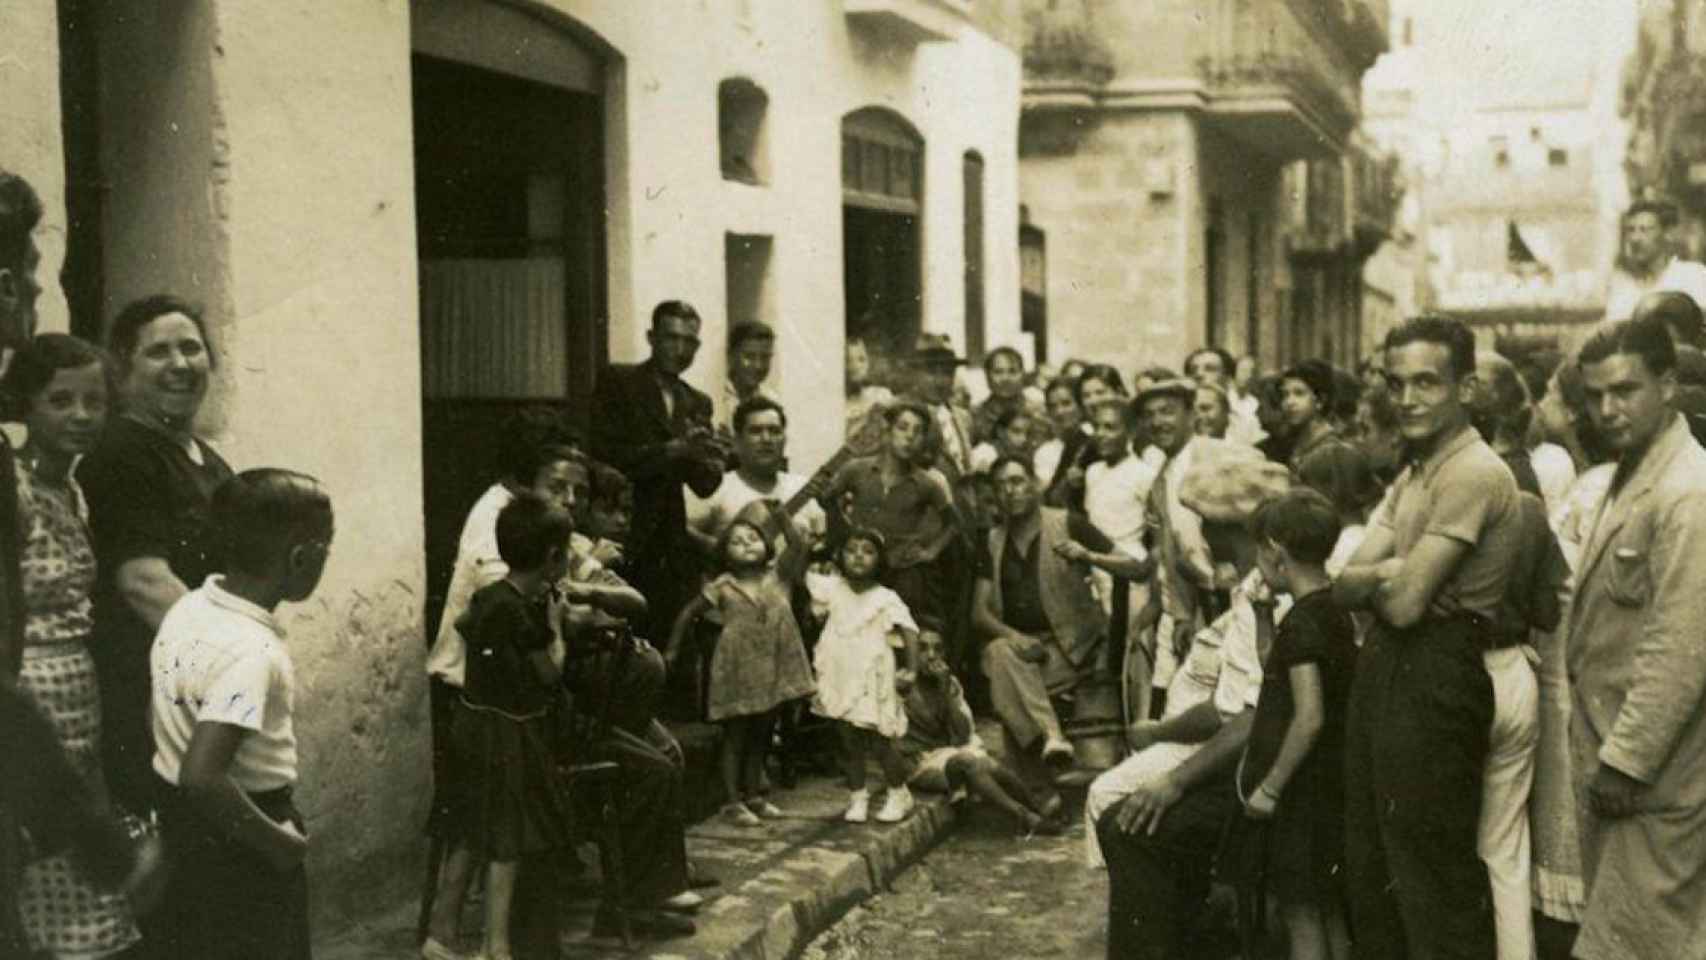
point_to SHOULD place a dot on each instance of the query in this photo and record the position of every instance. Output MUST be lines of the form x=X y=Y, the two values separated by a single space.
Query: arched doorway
x=882 y=189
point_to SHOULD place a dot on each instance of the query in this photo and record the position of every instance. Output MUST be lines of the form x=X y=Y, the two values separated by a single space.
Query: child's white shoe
x=896 y=805
x=435 y=950
x=738 y=814
x=858 y=807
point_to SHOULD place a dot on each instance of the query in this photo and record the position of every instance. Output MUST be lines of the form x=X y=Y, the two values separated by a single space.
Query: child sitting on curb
x=946 y=754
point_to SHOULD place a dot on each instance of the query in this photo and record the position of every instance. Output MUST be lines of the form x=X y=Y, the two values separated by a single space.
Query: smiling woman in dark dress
x=148 y=486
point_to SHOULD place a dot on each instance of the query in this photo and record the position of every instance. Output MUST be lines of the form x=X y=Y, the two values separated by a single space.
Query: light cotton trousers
x=1019 y=694
x=1504 y=841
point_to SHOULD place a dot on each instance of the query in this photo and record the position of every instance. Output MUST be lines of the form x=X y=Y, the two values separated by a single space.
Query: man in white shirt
x=1648 y=263
x=761 y=435
x=752 y=346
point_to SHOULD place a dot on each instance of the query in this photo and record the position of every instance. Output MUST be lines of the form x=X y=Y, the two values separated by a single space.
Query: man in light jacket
x=1636 y=656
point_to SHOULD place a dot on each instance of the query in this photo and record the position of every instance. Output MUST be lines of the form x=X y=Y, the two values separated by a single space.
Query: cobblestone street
x=981 y=893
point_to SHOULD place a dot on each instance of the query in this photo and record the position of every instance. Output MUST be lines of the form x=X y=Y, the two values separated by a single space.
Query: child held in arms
x=948 y=756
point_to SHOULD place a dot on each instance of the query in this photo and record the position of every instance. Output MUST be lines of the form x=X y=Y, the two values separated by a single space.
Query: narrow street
x=983 y=892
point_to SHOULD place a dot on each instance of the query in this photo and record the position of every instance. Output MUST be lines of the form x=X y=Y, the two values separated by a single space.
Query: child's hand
x=903 y=681
x=1261 y=804
x=608 y=553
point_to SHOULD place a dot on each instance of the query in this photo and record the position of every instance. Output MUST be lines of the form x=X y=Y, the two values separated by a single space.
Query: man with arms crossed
x=1433 y=568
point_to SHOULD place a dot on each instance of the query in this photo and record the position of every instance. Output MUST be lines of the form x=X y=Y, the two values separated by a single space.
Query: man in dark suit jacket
x=655 y=428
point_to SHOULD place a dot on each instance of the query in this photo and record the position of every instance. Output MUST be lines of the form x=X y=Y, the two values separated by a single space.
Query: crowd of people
x=1409 y=653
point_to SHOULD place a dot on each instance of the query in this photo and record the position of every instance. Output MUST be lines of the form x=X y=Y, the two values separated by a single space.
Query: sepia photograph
x=1262 y=515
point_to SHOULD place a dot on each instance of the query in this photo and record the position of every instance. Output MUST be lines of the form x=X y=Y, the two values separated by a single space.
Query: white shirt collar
x=223 y=598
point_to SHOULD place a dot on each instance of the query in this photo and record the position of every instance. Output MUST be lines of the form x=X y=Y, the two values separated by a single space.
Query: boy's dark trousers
x=224 y=901
x=1417 y=736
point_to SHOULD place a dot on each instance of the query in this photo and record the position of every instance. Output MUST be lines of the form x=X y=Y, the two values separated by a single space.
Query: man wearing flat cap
x=934 y=364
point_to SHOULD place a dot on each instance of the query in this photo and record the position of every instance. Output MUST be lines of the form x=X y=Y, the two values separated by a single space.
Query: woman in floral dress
x=60 y=386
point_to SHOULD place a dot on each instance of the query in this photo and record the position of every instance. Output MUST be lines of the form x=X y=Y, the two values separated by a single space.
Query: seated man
x=1160 y=841
x=1221 y=666
x=1046 y=630
x=947 y=755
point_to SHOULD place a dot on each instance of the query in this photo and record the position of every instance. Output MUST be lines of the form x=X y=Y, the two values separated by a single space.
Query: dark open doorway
x=882 y=173
x=509 y=201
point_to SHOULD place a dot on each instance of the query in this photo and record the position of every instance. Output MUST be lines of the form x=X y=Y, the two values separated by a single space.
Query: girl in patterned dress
x=60 y=388
x=760 y=659
x=860 y=684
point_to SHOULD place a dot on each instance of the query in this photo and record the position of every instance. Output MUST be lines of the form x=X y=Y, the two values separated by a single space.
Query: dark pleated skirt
x=505 y=798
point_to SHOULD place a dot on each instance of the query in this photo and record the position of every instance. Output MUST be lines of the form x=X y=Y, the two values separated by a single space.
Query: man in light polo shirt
x=1433 y=568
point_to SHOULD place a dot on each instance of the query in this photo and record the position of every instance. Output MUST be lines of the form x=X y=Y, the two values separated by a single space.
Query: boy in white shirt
x=224 y=740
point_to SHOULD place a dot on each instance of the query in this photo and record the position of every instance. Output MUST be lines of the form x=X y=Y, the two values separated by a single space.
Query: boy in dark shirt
x=1290 y=778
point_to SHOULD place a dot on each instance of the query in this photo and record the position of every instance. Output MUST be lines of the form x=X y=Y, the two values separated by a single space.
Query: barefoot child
x=508 y=802
x=1290 y=778
x=760 y=659
x=946 y=754
x=859 y=683
x=225 y=745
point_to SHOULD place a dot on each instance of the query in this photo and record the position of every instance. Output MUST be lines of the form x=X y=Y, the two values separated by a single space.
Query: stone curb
x=819 y=881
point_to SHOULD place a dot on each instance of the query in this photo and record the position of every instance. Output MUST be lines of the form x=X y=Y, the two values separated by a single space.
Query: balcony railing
x=1376 y=193
x=910 y=21
x=1275 y=83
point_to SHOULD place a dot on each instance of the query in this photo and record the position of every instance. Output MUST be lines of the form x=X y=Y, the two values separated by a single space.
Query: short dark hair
x=1008 y=459
x=747 y=330
x=35 y=364
x=873 y=537
x=533 y=438
x=1006 y=417
x=892 y=412
x=1665 y=211
x=1451 y=334
x=673 y=309
x=20 y=214
x=608 y=484
x=989 y=358
x=741 y=520
x=1647 y=338
x=1318 y=377
x=1342 y=473
x=1062 y=383
x=1503 y=406
x=1226 y=362
x=752 y=407
x=127 y=326
x=259 y=515
x=529 y=529
x=1679 y=313
x=1302 y=521
x=1102 y=372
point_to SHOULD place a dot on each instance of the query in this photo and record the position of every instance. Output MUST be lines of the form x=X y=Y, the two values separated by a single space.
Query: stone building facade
x=406 y=219
x=1190 y=164
x=1513 y=159
x=1663 y=93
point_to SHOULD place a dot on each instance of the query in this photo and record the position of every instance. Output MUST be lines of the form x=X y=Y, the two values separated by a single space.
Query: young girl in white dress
x=860 y=684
